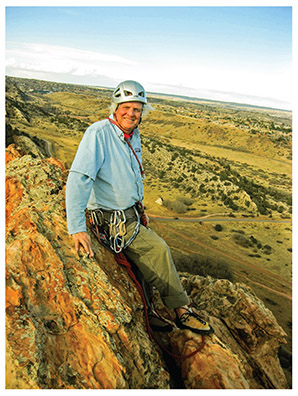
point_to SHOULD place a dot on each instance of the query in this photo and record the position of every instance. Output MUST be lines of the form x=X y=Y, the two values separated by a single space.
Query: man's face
x=128 y=115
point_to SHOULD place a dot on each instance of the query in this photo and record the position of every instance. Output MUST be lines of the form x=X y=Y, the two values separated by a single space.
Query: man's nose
x=131 y=112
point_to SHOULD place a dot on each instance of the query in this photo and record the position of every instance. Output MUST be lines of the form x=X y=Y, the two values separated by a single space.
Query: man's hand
x=82 y=238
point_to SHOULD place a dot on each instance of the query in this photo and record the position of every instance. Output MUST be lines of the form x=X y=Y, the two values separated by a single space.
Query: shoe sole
x=198 y=331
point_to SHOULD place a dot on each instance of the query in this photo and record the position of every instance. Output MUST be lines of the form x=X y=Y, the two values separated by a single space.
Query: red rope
x=122 y=260
x=126 y=137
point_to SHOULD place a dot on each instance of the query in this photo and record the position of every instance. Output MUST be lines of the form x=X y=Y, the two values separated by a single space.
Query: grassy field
x=265 y=163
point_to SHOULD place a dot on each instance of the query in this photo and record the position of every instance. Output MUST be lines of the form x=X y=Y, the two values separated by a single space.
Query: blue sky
x=240 y=54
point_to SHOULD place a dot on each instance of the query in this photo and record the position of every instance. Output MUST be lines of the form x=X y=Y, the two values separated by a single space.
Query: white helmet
x=129 y=91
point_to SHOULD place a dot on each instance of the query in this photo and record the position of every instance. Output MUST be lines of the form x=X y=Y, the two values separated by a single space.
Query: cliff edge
x=77 y=323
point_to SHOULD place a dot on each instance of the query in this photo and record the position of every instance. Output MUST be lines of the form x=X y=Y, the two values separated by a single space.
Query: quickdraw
x=114 y=239
x=117 y=230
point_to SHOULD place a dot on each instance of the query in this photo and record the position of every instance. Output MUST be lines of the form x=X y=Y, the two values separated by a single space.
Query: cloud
x=59 y=59
x=224 y=96
x=73 y=65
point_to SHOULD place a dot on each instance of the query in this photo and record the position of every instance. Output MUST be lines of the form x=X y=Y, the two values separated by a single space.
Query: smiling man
x=128 y=116
x=106 y=177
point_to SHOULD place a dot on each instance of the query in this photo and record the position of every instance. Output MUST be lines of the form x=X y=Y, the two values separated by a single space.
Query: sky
x=231 y=53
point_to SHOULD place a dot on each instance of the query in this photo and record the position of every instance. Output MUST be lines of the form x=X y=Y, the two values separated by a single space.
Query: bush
x=218 y=227
x=180 y=205
x=176 y=206
x=203 y=265
x=185 y=200
x=241 y=240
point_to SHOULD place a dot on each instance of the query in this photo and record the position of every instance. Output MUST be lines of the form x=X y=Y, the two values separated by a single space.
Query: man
x=106 y=177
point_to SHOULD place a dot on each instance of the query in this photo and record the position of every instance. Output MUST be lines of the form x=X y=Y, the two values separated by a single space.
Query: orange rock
x=56 y=162
x=14 y=195
x=12 y=297
x=11 y=153
x=214 y=367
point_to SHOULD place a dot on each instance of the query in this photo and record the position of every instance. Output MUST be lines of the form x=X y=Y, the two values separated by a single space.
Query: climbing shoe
x=191 y=321
x=159 y=324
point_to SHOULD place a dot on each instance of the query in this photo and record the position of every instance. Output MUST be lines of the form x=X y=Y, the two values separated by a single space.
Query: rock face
x=247 y=336
x=77 y=323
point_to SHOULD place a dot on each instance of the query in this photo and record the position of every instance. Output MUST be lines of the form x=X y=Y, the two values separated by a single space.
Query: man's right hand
x=83 y=239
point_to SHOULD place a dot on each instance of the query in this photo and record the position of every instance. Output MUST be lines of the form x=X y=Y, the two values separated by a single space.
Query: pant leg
x=152 y=256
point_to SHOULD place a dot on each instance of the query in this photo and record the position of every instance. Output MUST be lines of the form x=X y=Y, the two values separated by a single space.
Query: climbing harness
x=111 y=234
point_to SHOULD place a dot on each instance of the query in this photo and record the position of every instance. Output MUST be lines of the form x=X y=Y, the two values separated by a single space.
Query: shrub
x=185 y=200
x=239 y=231
x=176 y=206
x=218 y=227
x=253 y=239
x=180 y=205
x=242 y=240
x=161 y=174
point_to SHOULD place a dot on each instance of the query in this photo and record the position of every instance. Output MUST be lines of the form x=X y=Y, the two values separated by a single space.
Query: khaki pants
x=152 y=256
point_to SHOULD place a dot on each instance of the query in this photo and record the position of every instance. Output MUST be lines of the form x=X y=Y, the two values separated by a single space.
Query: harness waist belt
x=104 y=216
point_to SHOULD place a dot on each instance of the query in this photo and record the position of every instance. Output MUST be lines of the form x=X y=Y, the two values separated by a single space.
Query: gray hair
x=146 y=108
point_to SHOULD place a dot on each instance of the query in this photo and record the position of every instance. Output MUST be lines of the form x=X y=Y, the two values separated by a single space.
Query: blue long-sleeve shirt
x=104 y=174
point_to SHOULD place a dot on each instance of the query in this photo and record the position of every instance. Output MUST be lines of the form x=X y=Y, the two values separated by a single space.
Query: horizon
x=239 y=54
x=149 y=93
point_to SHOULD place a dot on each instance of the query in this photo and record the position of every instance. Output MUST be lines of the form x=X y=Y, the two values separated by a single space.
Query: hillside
x=223 y=172
x=231 y=159
x=77 y=323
